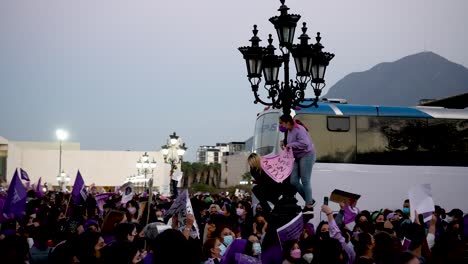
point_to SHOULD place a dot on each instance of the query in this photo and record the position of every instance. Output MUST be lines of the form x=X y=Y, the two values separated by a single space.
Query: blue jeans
x=301 y=176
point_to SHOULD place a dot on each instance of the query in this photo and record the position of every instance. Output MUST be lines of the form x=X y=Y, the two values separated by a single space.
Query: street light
x=61 y=136
x=174 y=150
x=63 y=179
x=145 y=166
x=311 y=63
x=173 y=153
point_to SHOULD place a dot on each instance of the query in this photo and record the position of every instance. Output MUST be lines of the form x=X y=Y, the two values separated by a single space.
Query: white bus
x=380 y=152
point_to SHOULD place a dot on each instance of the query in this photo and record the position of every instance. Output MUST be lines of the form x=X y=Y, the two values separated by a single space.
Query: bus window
x=338 y=124
x=266 y=139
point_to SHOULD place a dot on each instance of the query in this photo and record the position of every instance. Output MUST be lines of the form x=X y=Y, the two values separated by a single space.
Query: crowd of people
x=205 y=228
x=50 y=232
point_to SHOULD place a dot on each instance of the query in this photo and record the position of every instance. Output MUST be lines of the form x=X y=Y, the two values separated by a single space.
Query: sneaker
x=308 y=210
x=313 y=203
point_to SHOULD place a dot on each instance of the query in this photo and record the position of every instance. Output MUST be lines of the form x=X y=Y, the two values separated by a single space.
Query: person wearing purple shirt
x=299 y=140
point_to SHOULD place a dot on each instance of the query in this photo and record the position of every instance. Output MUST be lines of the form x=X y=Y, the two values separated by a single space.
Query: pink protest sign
x=280 y=166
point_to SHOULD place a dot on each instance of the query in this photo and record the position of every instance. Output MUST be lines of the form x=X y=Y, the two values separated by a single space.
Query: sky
x=123 y=75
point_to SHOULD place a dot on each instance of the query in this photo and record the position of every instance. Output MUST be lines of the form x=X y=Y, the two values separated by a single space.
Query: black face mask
x=396 y=224
x=324 y=235
x=260 y=226
x=379 y=226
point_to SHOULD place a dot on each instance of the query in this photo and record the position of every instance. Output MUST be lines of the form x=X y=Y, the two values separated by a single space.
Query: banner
x=177 y=176
x=182 y=206
x=101 y=199
x=420 y=197
x=24 y=175
x=128 y=193
x=291 y=230
x=15 y=203
x=79 y=192
x=280 y=166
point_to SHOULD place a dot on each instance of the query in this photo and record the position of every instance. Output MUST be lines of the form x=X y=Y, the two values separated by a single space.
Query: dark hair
x=207 y=246
x=364 y=240
x=123 y=230
x=111 y=220
x=172 y=247
x=286 y=119
x=387 y=248
x=319 y=227
x=287 y=247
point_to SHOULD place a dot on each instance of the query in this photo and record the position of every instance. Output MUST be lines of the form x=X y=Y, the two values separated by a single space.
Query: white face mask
x=223 y=250
x=448 y=219
x=308 y=257
x=257 y=248
x=132 y=210
x=240 y=211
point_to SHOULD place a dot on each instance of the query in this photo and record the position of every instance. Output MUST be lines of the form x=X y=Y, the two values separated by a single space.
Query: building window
x=338 y=124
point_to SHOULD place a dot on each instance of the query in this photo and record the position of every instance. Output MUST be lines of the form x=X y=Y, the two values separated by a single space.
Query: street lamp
x=174 y=150
x=173 y=153
x=311 y=63
x=63 y=179
x=145 y=166
x=61 y=136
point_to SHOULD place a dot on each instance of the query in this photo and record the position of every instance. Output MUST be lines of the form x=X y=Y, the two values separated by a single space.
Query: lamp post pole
x=61 y=136
x=145 y=166
x=311 y=63
x=173 y=153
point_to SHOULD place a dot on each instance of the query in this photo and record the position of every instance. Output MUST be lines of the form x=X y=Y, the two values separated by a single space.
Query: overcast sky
x=123 y=75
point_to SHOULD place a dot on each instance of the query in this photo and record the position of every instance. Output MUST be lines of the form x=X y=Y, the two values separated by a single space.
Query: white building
x=215 y=154
x=103 y=168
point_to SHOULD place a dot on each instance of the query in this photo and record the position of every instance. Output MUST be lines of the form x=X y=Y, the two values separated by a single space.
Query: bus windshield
x=266 y=134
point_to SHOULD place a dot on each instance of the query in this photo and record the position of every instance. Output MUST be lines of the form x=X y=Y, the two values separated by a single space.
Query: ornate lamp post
x=173 y=153
x=145 y=167
x=174 y=150
x=311 y=63
x=62 y=177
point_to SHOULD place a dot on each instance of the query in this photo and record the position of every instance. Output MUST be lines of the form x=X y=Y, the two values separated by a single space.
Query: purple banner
x=15 y=203
x=291 y=230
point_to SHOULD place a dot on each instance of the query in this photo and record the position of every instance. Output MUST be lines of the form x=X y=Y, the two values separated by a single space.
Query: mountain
x=404 y=82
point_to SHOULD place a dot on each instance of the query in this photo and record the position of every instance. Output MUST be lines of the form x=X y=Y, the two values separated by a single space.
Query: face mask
x=324 y=235
x=260 y=226
x=296 y=253
x=448 y=219
x=282 y=129
x=257 y=248
x=308 y=257
x=379 y=226
x=240 y=211
x=228 y=240
x=406 y=210
x=223 y=250
x=132 y=210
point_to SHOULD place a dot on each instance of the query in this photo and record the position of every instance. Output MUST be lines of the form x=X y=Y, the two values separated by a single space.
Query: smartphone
x=325 y=200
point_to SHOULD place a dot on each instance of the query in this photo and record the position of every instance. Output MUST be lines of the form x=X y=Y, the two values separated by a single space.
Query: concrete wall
x=103 y=168
x=232 y=169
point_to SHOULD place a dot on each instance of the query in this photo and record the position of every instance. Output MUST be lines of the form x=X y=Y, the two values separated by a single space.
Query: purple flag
x=39 y=192
x=350 y=213
x=236 y=246
x=291 y=230
x=79 y=189
x=24 y=175
x=15 y=203
x=2 y=202
x=101 y=199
